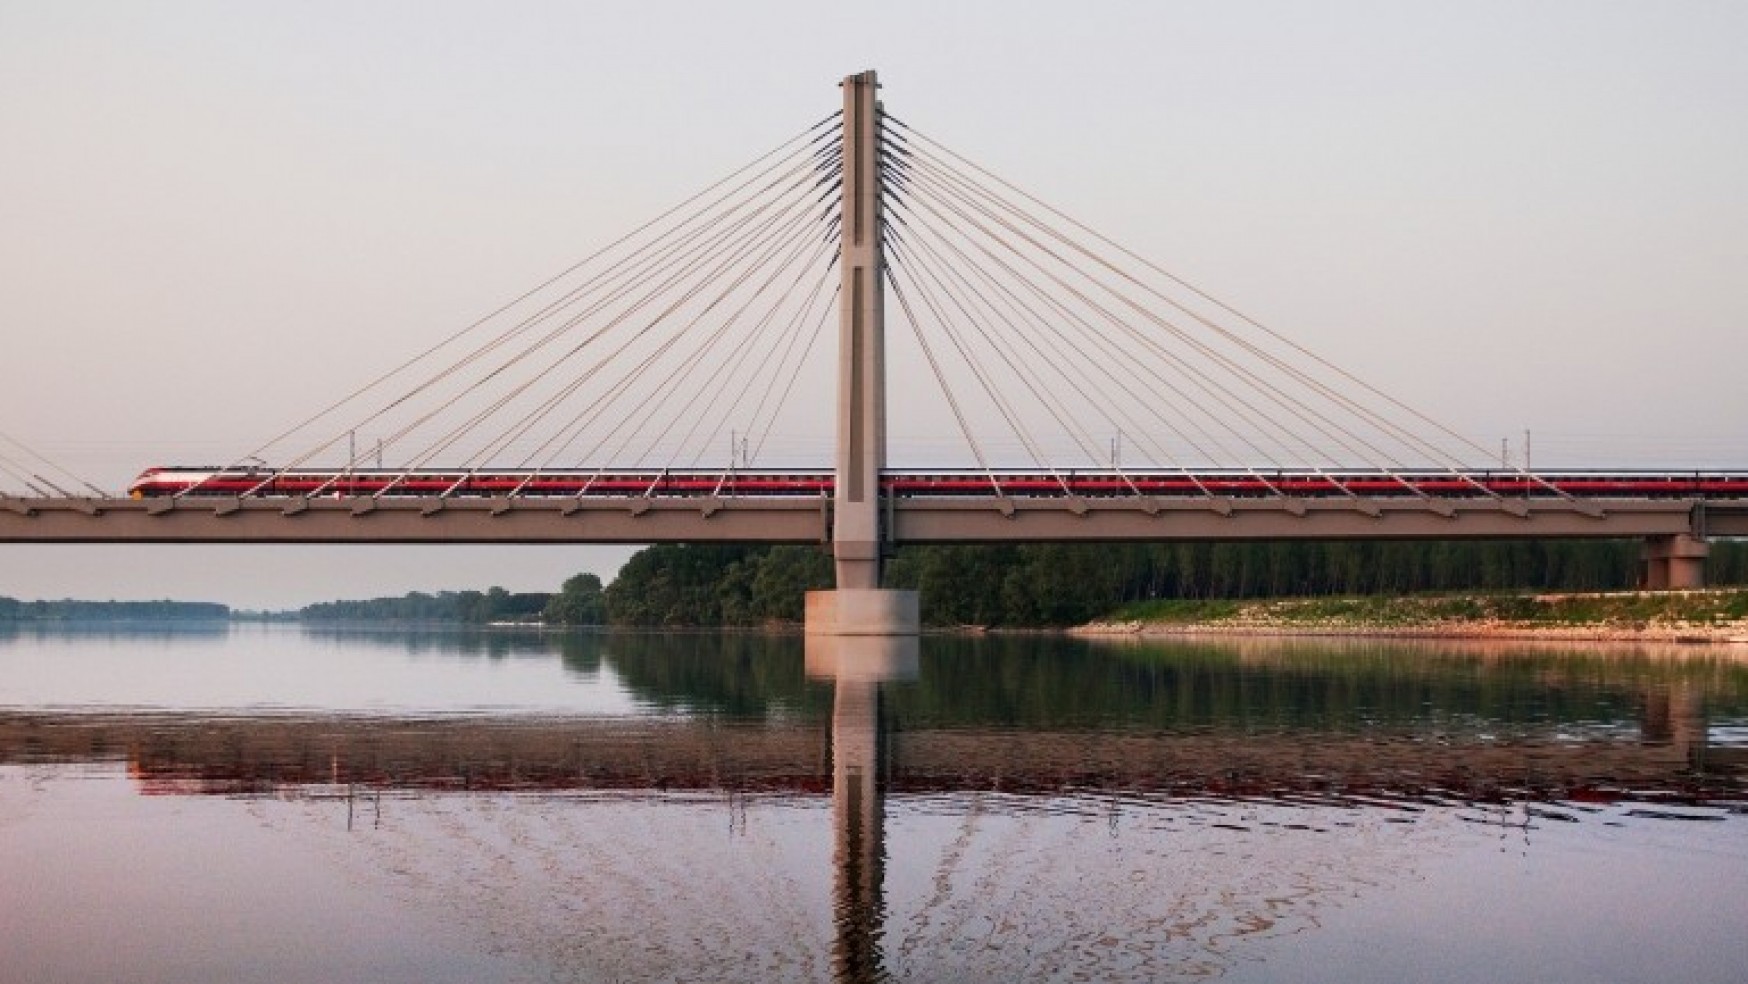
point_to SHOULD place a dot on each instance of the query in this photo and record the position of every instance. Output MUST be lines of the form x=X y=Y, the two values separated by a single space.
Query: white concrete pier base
x=863 y=612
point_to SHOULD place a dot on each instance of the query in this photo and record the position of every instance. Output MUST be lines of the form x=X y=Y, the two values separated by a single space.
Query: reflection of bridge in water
x=242 y=755
x=1216 y=721
x=1513 y=741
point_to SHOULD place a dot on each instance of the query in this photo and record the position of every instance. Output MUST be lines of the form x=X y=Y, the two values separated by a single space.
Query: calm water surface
x=276 y=803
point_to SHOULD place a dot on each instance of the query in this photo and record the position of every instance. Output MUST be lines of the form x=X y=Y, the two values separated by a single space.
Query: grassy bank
x=1717 y=615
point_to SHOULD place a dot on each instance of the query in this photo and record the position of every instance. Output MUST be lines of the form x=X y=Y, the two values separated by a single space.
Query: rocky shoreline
x=1503 y=631
x=1697 y=617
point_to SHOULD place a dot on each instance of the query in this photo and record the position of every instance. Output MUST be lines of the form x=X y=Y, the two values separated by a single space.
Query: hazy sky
x=216 y=216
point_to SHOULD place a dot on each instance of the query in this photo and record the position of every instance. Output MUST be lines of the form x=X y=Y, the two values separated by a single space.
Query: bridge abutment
x=1673 y=563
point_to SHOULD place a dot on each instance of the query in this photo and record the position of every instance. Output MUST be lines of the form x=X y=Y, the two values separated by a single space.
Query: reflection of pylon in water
x=858 y=667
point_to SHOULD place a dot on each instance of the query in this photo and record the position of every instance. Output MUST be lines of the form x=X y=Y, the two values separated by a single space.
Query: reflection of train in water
x=262 y=481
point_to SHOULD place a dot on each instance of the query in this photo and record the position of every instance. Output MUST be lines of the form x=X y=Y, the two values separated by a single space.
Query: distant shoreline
x=15 y=612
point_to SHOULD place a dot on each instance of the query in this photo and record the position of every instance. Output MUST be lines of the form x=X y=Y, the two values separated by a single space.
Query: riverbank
x=1711 y=616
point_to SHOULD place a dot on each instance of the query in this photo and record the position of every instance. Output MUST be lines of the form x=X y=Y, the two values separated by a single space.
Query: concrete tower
x=860 y=606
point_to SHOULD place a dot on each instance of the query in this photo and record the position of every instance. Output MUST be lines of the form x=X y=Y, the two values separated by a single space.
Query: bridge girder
x=809 y=520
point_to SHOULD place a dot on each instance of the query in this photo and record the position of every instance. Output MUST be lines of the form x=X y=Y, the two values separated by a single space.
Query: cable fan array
x=645 y=355
x=1067 y=340
x=1048 y=345
x=23 y=468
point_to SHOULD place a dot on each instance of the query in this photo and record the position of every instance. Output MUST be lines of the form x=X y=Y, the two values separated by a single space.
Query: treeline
x=1059 y=584
x=579 y=602
x=1030 y=585
x=13 y=610
x=686 y=585
x=476 y=607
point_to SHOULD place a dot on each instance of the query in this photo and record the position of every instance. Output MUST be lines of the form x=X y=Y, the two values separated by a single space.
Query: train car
x=1326 y=484
x=259 y=480
x=215 y=481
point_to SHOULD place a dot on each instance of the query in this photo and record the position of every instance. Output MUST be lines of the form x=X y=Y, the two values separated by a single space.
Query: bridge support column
x=863 y=612
x=860 y=606
x=1673 y=563
x=861 y=452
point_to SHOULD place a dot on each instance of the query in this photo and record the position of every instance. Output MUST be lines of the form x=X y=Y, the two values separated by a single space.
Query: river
x=282 y=803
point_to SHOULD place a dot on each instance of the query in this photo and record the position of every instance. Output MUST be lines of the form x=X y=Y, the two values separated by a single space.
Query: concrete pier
x=1674 y=563
x=863 y=612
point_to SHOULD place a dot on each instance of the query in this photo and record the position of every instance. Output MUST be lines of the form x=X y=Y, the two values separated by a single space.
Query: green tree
x=783 y=576
x=676 y=585
x=579 y=602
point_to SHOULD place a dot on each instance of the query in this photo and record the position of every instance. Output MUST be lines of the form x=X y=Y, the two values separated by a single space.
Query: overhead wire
x=1341 y=434
x=1065 y=359
x=1078 y=294
x=52 y=466
x=728 y=369
x=771 y=250
x=1382 y=421
x=22 y=474
x=1211 y=388
x=941 y=381
x=682 y=263
x=723 y=255
x=897 y=264
x=1116 y=357
x=1233 y=401
x=792 y=375
x=678 y=323
x=685 y=262
x=570 y=432
x=769 y=370
x=446 y=341
x=978 y=299
x=928 y=271
x=782 y=259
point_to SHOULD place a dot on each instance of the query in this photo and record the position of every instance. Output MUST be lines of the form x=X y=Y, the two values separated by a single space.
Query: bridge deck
x=963 y=519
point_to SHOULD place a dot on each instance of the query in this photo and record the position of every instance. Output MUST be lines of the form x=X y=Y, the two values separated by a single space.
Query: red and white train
x=262 y=481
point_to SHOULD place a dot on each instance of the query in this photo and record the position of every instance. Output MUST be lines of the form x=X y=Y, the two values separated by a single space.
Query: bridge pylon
x=860 y=606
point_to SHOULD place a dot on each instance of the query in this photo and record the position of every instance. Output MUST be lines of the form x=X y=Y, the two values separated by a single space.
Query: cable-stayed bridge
x=681 y=385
